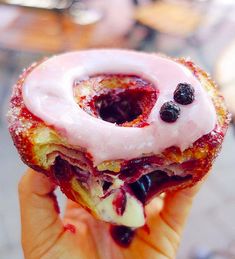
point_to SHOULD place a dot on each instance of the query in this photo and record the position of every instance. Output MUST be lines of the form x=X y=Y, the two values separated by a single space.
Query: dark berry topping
x=184 y=94
x=169 y=112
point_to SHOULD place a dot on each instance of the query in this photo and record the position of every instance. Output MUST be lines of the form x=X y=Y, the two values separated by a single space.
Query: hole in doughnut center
x=119 y=107
x=126 y=100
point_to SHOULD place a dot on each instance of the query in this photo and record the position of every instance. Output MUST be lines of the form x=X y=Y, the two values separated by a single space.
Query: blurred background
x=203 y=30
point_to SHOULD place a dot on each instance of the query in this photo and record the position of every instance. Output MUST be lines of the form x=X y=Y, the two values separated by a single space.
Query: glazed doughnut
x=114 y=128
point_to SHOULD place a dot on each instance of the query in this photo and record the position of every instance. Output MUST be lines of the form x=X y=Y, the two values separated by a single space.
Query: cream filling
x=133 y=215
x=104 y=209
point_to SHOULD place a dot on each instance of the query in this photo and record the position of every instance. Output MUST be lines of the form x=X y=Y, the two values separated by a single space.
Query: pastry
x=114 y=128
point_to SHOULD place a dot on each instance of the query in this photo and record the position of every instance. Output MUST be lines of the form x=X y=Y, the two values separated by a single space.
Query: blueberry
x=184 y=94
x=148 y=185
x=141 y=187
x=169 y=112
x=122 y=235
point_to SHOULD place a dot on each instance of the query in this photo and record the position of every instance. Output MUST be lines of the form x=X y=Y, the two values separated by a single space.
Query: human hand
x=45 y=234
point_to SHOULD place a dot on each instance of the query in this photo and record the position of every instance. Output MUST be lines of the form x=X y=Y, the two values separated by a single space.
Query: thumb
x=177 y=206
x=40 y=221
x=166 y=220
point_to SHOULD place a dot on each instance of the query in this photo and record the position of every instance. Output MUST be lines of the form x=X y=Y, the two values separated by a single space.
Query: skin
x=45 y=233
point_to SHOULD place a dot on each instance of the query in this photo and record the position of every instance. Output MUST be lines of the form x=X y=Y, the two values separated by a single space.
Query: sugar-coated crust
x=32 y=137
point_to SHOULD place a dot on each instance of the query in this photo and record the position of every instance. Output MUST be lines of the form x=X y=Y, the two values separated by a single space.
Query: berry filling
x=119 y=202
x=122 y=99
x=139 y=178
x=145 y=187
x=150 y=184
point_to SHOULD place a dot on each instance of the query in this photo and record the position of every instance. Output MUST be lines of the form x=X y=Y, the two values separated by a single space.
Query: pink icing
x=48 y=94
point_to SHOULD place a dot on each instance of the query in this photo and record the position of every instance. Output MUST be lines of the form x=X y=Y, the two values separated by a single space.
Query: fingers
x=75 y=214
x=71 y=205
x=177 y=206
x=154 y=207
x=165 y=220
x=72 y=212
x=41 y=224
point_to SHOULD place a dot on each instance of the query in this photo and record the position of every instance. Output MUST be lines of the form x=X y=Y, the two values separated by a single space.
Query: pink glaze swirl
x=48 y=94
